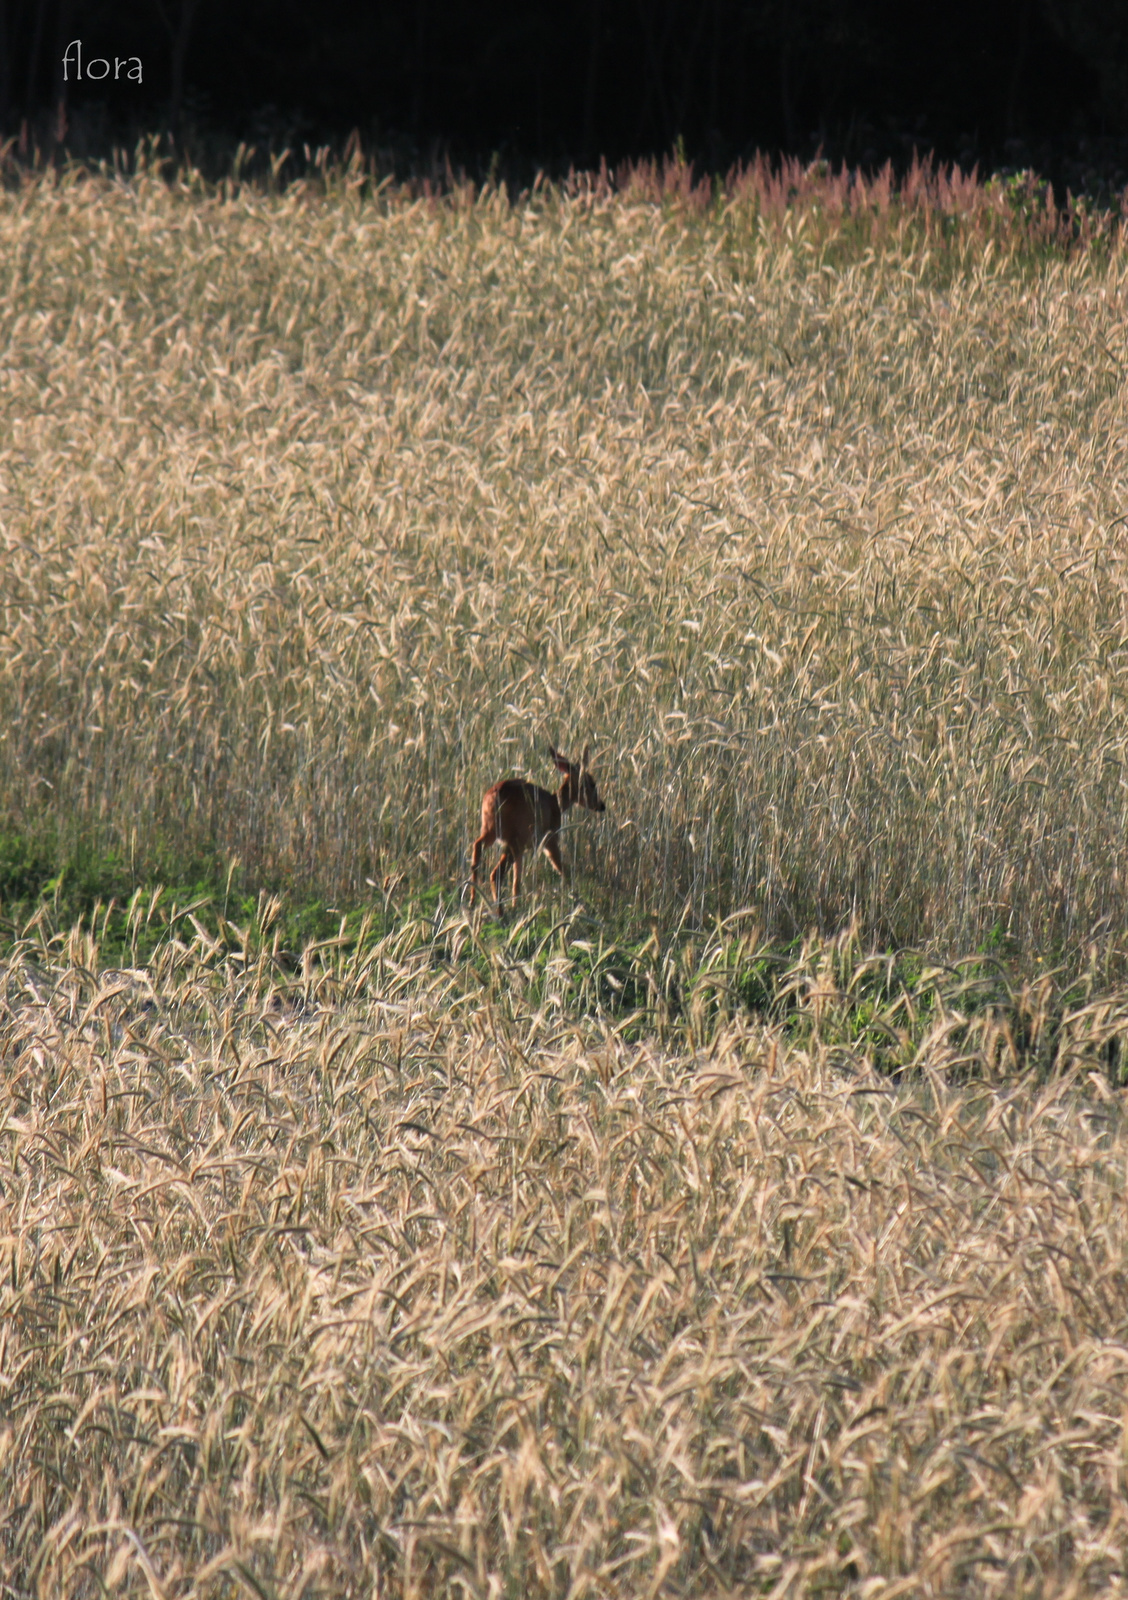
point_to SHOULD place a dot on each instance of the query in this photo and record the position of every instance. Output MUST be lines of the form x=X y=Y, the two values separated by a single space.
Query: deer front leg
x=552 y=851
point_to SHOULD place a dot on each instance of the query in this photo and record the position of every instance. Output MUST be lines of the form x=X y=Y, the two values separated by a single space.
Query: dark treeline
x=528 y=83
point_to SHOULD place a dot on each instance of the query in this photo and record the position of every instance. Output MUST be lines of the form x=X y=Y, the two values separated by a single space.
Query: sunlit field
x=368 y=1285
x=745 y=1216
x=321 y=514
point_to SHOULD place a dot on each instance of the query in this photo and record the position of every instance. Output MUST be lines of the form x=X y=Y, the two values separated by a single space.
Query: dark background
x=511 y=87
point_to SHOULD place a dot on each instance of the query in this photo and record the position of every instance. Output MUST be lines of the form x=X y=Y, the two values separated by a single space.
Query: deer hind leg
x=495 y=876
x=480 y=842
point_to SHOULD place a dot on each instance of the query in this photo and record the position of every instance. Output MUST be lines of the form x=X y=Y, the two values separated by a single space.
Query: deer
x=521 y=817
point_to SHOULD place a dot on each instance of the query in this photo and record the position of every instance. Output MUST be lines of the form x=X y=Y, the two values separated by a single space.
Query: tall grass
x=321 y=510
x=362 y=1284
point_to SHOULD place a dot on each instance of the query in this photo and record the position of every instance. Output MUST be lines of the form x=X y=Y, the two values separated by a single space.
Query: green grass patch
x=891 y=1010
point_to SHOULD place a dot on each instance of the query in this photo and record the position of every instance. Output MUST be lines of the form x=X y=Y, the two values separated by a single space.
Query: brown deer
x=521 y=817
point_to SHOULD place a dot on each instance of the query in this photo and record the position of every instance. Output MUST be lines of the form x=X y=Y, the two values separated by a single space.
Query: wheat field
x=746 y=1218
x=365 y=1285
x=320 y=512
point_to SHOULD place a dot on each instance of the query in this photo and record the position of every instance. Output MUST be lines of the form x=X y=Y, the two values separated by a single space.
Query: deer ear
x=561 y=761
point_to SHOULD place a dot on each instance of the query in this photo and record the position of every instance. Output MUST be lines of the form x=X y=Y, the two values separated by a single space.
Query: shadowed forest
x=513 y=88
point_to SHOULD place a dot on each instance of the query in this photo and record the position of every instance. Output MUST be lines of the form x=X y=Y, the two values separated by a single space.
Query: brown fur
x=522 y=817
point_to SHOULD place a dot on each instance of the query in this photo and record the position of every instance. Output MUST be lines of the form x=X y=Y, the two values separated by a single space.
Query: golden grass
x=321 y=512
x=359 y=1287
x=422 y=1270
